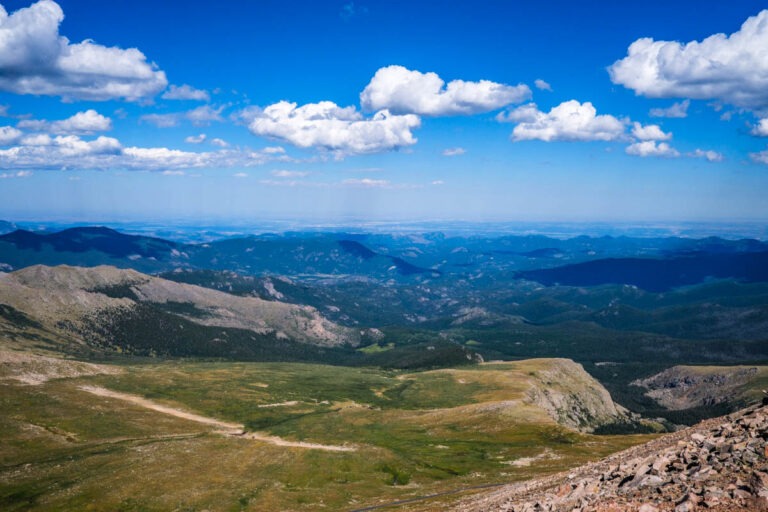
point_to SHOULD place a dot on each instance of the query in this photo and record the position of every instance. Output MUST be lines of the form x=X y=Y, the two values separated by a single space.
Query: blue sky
x=552 y=111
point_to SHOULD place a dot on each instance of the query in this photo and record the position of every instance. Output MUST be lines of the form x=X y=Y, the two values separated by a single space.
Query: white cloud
x=240 y=175
x=454 y=151
x=569 y=121
x=9 y=135
x=289 y=174
x=733 y=69
x=365 y=183
x=82 y=123
x=649 y=132
x=200 y=116
x=173 y=173
x=761 y=129
x=651 y=148
x=527 y=113
x=274 y=150
x=39 y=139
x=220 y=143
x=41 y=151
x=438 y=182
x=195 y=139
x=18 y=174
x=404 y=91
x=709 y=155
x=161 y=120
x=35 y=59
x=294 y=183
x=542 y=85
x=760 y=157
x=204 y=115
x=679 y=110
x=185 y=92
x=328 y=126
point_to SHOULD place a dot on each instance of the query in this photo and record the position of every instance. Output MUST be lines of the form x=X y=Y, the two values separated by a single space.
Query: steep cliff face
x=572 y=397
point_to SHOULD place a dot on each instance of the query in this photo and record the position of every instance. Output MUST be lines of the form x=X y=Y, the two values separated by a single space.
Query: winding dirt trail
x=231 y=429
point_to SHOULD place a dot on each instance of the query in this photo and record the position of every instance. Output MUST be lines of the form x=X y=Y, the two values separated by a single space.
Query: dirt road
x=232 y=429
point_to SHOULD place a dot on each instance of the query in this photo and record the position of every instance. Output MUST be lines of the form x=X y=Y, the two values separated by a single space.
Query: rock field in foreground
x=720 y=464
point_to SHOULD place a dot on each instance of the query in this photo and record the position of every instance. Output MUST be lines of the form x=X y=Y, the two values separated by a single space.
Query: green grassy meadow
x=413 y=434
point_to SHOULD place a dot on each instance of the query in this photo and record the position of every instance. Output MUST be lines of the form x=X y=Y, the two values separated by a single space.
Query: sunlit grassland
x=413 y=433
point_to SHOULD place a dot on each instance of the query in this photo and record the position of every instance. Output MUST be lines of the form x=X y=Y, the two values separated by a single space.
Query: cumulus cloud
x=82 y=123
x=527 y=113
x=542 y=85
x=204 y=115
x=709 y=155
x=651 y=148
x=289 y=174
x=220 y=143
x=454 y=151
x=649 y=132
x=679 y=110
x=761 y=129
x=733 y=69
x=569 y=121
x=760 y=157
x=41 y=151
x=9 y=135
x=35 y=59
x=326 y=125
x=405 y=91
x=274 y=150
x=185 y=92
x=195 y=139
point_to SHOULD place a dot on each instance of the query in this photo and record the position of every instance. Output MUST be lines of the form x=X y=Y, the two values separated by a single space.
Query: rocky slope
x=574 y=398
x=683 y=387
x=720 y=464
x=68 y=298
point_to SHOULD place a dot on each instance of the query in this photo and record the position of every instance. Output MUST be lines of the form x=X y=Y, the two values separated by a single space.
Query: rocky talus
x=720 y=465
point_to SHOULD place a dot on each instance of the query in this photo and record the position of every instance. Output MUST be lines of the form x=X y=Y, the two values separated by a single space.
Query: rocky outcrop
x=720 y=465
x=573 y=398
x=683 y=387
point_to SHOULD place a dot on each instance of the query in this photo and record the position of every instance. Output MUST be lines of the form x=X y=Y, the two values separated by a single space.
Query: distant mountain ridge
x=97 y=238
x=655 y=264
x=657 y=275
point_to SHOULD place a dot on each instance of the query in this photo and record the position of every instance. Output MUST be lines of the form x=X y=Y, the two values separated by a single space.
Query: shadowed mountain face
x=7 y=227
x=108 y=241
x=657 y=275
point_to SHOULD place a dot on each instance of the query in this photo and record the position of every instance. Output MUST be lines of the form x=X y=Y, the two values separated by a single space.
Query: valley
x=407 y=434
x=340 y=371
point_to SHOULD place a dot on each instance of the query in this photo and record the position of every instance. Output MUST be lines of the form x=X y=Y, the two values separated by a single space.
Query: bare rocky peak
x=65 y=277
